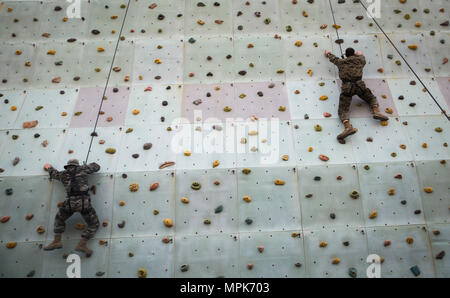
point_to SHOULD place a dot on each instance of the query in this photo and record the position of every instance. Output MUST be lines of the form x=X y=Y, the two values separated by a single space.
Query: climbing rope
x=107 y=83
x=403 y=58
x=336 y=28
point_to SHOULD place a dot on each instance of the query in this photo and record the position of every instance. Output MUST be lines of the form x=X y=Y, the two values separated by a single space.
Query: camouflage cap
x=72 y=162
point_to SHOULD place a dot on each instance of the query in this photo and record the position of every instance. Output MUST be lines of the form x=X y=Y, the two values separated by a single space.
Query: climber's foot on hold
x=56 y=244
x=377 y=114
x=81 y=247
x=349 y=130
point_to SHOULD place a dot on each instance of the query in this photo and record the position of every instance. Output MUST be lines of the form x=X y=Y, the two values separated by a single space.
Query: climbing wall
x=215 y=127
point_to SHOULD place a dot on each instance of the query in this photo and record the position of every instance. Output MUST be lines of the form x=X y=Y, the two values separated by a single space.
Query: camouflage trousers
x=77 y=204
x=348 y=91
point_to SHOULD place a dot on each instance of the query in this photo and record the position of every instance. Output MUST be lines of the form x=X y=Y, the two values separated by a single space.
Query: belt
x=351 y=81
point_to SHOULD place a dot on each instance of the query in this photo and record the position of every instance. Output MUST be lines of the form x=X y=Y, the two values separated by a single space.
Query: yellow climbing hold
x=413 y=47
x=168 y=222
x=323 y=97
x=247 y=199
x=428 y=189
x=142 y=273
x=279 y=182
x=373 y=215
x=134 y=187
x=185 y=200
x=216 y=163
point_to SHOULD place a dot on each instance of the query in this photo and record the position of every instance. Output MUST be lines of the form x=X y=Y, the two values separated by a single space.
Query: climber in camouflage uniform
x=75 y=181
x=351 y=72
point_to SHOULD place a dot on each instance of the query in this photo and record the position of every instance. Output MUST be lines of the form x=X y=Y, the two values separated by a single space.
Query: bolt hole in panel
x=396 y=200
x=266 y=56
x=435 y=175
x=128 y=255
x=55 y=263
x=319 y=260
x=8 y=114
x=325 y=197
x=161 y=105
x=272 y=207
x=24 y=260
x=305 y=58
x=142 y=22
x=305 y=18
x=213 y=209
x=413 y=100
x=438 y=47
x=272 y=255
x=272 y=145
x=132 y=143
x=261 y=17
x=440 y=240
x=197 y=252
x=322 y=142
x=33 y=147
x=170 y=54
x=57 y=108
x=418 y=59
x=376 y=143
x=212 y=146
x=425 y=142
x=143 y=211
x=205 y=61
x=77 y=143
x=347 y=16
x=304 y=98
x=29 y=196
x=202 y=20
x=399 y=256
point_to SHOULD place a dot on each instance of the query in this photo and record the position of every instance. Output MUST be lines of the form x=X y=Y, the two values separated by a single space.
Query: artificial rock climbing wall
x=242 y=197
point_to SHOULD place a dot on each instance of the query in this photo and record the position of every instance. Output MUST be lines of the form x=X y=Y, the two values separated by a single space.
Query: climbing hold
x=373 y=214
x=354 y=195
x=324 y=158
x=247 y=199
x=110 y=150
x=168 y=222
x=323 y=244
x=196 y=186
x=142 y=273
x=219 y=209
x=215 y=164
x=134 y=187
x=166 y=164
x=336 y=261
x=428 y=189
x=5 y=219
x=279 y=182
x=11 y=245
x=352 y=272
x=246 y=171
x=154 y=186
x=185 y=200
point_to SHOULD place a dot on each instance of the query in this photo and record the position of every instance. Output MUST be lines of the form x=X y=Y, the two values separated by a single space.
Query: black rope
x=398 y=51
x=107 y=82
x=335 y=27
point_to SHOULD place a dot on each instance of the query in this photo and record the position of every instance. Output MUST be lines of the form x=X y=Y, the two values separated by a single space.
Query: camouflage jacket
x=80 y=177
x=350 y=68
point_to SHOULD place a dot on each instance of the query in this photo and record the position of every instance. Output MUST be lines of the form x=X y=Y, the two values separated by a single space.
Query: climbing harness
x=93 y=134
